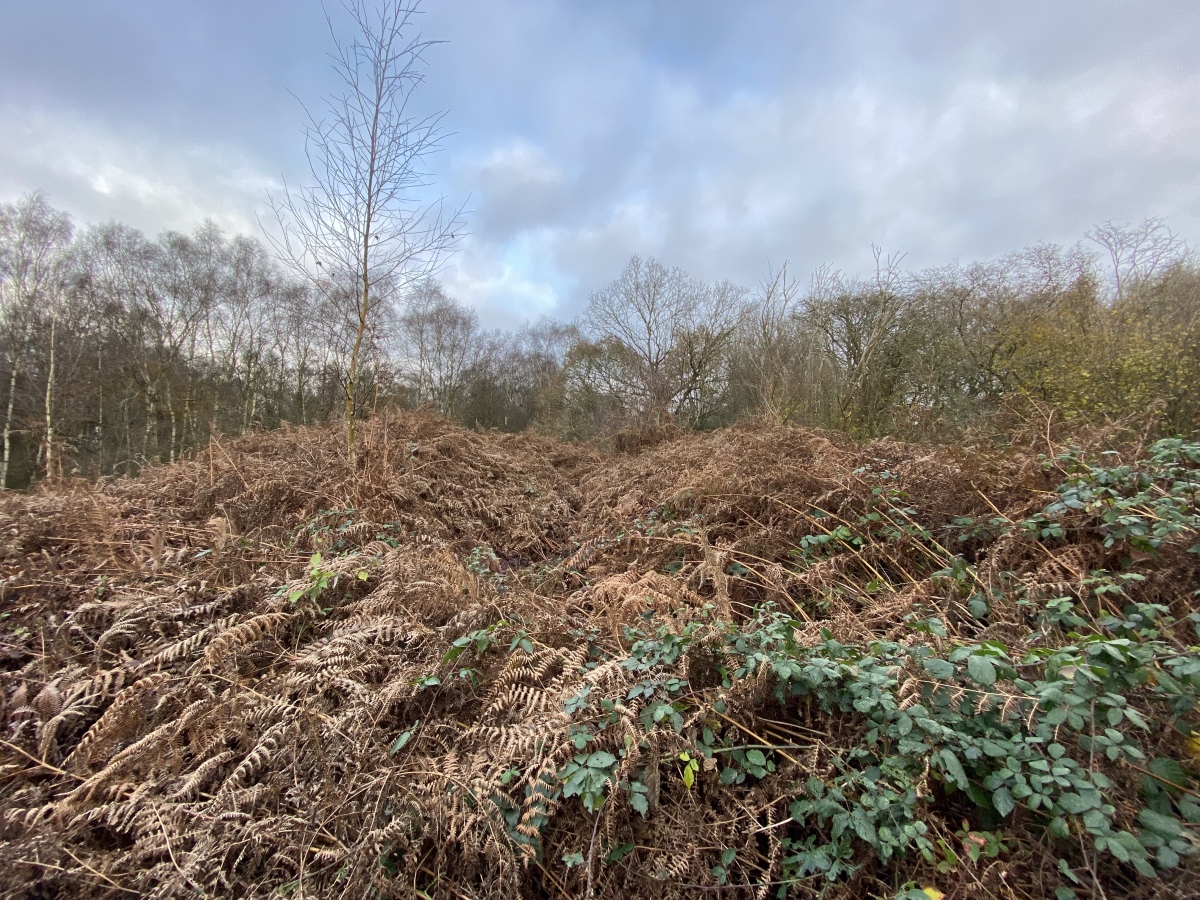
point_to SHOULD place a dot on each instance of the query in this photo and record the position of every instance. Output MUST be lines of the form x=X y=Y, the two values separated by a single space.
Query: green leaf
x=1167 y=858
x=601 y=759
x=982 y=669
x=1144 y=868
x=863 y=826
x=1190 y=810
x=756 y=758
x=1118 y=850
x=404 y=738
x=1003 y=800
x=1168 y=826
x=1073 y=803
x=1170 y=772
x=939 y=668
x=619 y=853
x=953 y=768
x=640 y=804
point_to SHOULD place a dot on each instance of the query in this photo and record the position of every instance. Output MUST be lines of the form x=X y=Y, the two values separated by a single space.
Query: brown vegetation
x=192 y=703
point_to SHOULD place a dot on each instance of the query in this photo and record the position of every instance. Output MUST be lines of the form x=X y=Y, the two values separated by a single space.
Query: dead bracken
x=762 y=661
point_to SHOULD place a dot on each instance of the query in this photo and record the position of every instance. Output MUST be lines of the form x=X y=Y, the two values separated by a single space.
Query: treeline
x=117 y=349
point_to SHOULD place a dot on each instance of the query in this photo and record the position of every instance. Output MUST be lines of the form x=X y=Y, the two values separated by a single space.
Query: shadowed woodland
x=118 y=350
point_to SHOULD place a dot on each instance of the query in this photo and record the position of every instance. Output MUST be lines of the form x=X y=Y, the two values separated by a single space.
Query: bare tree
x=660 y=338
x=363 y=230
x=1138 y=254
x=857 y=322
x=440 y=344
x=34 y=267
x=769 y=343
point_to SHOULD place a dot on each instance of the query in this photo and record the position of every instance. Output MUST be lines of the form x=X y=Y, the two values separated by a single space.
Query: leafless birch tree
x=364 y=228
x=34 y=266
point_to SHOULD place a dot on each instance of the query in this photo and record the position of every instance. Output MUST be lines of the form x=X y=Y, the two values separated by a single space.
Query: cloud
x=518 y=187
x=971 y=164
x=98 y=173
x=583 y=133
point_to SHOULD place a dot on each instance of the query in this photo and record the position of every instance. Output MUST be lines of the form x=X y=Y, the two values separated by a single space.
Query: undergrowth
x=843 y=672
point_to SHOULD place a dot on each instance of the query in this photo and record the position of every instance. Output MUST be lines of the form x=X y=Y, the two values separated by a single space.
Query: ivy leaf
x=619 y=853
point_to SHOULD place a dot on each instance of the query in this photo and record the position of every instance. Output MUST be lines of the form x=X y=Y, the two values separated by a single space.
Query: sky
x=718 y=137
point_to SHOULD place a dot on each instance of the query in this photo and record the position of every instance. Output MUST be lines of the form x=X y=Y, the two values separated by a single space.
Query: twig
x=100 y=874
x=236 y=470
x=592 y=856
x=40 y=763
x=1170 y=784
x=759 y=738
x=171 y=853
x=562 y=890
x=54 y=868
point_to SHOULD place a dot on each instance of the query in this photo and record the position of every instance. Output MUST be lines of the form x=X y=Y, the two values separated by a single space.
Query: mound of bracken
x=761 y=662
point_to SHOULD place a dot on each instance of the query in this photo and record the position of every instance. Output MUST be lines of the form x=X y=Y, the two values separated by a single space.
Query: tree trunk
x=12 y=393
x=171 y=410
x=99 y=464
x=301 y=388
x=128 y=434
x=50 y=458
x=151 y=423
x=353 y=374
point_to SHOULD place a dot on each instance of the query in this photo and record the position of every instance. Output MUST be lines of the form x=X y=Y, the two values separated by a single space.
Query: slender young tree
x=364 y=228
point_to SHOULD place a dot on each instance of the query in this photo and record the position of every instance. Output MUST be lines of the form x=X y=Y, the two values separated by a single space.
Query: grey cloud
x=519 y=187
x=716 y=138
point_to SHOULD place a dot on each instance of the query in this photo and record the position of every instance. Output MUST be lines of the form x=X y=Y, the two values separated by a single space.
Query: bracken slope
x=759 y=662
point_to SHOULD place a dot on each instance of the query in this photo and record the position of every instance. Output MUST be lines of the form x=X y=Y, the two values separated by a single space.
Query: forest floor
x=762 y=662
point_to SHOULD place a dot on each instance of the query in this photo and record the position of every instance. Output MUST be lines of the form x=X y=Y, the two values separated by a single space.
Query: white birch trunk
x=12 y=393
x=49 y=454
